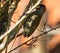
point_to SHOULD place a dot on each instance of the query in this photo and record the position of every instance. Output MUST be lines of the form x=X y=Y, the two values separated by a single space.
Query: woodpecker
x=33 y=20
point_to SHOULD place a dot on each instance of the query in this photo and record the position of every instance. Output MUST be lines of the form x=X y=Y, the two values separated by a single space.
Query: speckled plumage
x=33 y=20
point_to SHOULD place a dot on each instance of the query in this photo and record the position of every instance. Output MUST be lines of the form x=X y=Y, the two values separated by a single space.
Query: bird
x=33 y=20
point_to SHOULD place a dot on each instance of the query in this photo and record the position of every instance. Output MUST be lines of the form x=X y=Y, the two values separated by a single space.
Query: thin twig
x=34 y=38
